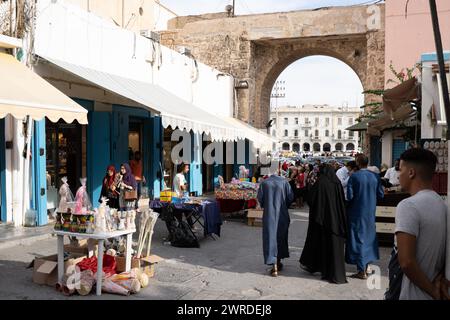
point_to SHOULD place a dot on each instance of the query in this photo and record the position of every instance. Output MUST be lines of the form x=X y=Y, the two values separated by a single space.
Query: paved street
x=229 y=268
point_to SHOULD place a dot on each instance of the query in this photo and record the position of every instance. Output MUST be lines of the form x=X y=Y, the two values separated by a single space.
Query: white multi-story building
x=314 y=128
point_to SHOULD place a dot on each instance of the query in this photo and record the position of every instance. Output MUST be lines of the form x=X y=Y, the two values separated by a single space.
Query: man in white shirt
x=179 y=182
x=344 y=173
x=392 y=174
x=420 y=232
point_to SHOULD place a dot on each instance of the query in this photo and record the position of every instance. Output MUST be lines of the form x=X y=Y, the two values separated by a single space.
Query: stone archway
x=350 y=147
x=257 y=48
x=286 y=146
x=327 y=147
x=296 y=147
x=339 y=147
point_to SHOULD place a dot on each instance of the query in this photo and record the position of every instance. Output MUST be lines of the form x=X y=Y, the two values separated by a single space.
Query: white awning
x=260 y=139
x=175 y=112
x=24 y=93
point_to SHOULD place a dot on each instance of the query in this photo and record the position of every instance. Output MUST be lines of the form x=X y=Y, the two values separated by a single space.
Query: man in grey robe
x=275 y=196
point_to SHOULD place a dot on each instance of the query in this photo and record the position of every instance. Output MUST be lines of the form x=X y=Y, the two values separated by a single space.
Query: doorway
x=64 y=153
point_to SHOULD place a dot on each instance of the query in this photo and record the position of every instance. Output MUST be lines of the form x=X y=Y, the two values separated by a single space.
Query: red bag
x=109 y=265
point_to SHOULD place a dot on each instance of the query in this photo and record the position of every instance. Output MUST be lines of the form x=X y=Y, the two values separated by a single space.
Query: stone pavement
x=228 y=268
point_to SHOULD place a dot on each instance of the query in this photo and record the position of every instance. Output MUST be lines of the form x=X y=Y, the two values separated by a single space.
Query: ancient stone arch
x=257 y=48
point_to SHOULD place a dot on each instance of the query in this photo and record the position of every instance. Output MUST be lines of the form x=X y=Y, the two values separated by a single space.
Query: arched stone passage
x=296 y=147
x=306 y=147
x=327 y=147
x=350 y=147
x=286 y=146
x=316 y=147
x=339 y=147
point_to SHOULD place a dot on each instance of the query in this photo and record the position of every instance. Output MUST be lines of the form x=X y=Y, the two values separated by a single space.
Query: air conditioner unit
x=151 y=35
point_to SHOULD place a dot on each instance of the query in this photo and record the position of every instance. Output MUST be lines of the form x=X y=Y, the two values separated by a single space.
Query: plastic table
x=101 y=237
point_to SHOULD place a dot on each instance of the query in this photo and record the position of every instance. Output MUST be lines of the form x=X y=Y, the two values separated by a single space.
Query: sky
x=307 y=80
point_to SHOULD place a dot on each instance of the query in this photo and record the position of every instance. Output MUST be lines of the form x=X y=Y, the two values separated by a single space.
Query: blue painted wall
x=398 y=147
x=98 y=152
x=2 y=171
x=195 y=173
x=155 y=151
x=39 y=180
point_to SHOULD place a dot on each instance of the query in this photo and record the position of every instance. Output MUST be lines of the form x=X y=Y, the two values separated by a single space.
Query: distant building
x=314 y=128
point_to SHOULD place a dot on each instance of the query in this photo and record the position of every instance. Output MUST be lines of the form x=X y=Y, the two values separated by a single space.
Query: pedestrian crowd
x=342 y=229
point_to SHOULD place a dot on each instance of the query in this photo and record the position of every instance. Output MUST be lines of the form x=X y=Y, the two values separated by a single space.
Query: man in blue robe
x=275 y=196
x=363 y=189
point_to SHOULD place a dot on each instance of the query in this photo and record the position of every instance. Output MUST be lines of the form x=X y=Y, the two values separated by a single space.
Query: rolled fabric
x=110 y=286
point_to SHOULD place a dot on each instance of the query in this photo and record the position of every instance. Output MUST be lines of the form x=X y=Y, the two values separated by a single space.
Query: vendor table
x=208 y=210
x=231 y=205
x=101 y=237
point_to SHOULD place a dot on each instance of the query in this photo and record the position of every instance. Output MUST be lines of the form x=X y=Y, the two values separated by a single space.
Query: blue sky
x=307 y=80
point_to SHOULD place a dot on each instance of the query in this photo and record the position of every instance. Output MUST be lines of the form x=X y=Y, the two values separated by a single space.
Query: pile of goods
x=82 y=280
x=440 y=149
x=237 y=190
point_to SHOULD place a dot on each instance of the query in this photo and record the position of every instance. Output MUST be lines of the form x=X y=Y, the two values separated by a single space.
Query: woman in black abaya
x=324 y=250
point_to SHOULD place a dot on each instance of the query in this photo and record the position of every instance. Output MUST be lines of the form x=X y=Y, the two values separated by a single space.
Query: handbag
x=130 y=195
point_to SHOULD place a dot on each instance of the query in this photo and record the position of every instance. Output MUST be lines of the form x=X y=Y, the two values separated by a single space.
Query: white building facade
x=314 y=128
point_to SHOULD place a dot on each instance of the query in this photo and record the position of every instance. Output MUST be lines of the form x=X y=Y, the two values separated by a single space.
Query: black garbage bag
x=180 y=234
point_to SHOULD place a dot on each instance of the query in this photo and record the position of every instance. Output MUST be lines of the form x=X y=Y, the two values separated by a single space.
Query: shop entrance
x=64 y=153
x=134 y=138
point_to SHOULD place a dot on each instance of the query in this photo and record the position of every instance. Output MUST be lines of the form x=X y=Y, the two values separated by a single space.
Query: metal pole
x=232 y=13
x=442 y=74
x=440 y=56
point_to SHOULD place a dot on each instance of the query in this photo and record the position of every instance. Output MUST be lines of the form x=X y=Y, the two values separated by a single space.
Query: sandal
x=274 y=272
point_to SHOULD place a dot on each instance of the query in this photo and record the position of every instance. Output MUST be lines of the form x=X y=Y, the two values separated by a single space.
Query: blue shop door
x=2 y=172
x=120 y=152
x=99 y=152
x=375 y=151
x=398 y=147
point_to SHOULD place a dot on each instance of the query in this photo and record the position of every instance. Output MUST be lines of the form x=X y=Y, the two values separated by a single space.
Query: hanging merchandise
x=83 y=204
x=65 y=207
x=100 y=217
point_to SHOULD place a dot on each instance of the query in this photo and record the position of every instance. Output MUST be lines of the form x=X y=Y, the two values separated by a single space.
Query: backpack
x=395 y=277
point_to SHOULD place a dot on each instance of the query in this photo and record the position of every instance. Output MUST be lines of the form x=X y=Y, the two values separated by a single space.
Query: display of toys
x=83 y=203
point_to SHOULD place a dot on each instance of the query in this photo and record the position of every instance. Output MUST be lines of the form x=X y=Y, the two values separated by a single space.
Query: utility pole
x=234 y=3
x=440 y=56
x=278 y=91
x=444 y=84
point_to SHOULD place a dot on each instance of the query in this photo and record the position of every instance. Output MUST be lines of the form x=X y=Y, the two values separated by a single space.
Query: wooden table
x=101 y=237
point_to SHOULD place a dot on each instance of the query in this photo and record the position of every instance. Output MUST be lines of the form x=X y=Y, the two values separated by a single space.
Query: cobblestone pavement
x=228 y=268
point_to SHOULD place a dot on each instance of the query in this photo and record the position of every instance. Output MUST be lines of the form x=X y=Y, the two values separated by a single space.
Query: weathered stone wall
x=257 y=48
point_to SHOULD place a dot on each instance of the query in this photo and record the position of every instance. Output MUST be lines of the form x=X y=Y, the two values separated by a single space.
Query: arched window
x=306 y=147
x=286 y=146
x=350 y=147
x=316 y=133
x=296 y=147
x=296 y=133
x=327 y=147
x=316 y=147
x=286 y=133
x=327 y=133
x=339 y=146
x=339 y=134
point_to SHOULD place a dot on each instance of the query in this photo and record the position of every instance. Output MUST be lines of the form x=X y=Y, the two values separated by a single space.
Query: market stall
x=237 y=195
x=385 y=215
x=113 y=231
x=197 y=209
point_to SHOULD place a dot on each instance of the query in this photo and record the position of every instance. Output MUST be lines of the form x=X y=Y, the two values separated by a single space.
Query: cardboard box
x=45 y=269
x=121 y=262
x=148 y=264
x=84 y=246
x=254 y=217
